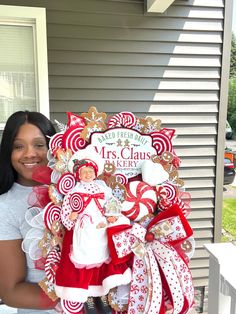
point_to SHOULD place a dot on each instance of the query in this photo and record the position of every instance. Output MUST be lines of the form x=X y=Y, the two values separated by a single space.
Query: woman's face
x=28 y=152
x=87 y=174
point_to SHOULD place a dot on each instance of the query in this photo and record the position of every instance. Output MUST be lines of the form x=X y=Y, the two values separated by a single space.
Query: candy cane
x=51 y=264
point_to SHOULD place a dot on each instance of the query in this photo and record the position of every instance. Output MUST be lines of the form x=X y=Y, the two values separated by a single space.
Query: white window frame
x=35 y=17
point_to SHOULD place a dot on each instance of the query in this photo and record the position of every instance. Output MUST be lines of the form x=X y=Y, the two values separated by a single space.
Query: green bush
x=231 y=114
x=229 y=216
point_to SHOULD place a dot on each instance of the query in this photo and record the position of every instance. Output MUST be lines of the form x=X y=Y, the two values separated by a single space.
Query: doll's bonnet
x=86 y=157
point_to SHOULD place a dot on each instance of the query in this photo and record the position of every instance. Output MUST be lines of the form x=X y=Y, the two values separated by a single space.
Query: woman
x=23 y=148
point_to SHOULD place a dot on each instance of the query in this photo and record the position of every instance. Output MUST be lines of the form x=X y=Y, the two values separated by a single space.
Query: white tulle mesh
x=30 y=245
x=55 y=176
x=34 y=217
x=51 y=159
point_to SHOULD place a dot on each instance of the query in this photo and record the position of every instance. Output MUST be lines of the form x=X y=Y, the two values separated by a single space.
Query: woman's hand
x=15 y=291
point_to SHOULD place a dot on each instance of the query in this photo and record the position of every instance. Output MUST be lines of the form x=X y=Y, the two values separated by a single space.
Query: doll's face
x=87 y=174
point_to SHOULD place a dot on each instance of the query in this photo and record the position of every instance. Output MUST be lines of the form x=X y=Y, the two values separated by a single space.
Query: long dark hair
x=7 y=173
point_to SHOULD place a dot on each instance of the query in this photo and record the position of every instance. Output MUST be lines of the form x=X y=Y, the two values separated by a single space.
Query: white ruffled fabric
x=30 y=244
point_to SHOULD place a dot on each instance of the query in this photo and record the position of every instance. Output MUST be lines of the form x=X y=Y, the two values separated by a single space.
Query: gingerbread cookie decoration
x=141 y=125
x=115 y=303
x=174 y=177
x=55 y=196
x=108 y=174
x=93 y=116
x=147 y=125
x=167 y=160
x=58 y=232
x=45 y=244
x=119 y=191
x=48 y=288
x=152 y=125
x=91 y=128
x=62 y=159
x=95 y=122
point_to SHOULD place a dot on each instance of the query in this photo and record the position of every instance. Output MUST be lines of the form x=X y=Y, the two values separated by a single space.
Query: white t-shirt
x=13 y=225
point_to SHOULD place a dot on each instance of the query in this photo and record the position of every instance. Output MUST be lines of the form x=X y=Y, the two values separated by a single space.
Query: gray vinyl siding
x=109 y=54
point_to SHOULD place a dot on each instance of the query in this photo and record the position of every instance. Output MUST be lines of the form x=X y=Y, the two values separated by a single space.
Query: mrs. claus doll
x=85 y=267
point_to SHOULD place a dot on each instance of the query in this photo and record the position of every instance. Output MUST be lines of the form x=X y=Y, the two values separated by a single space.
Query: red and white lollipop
x=141 y=200
x=125 y=119
x=51 y=213
x=76 y=202
x=56 y=142
x=161 y=142
x=171 y=191
x=70 y=307
x=65 y=183
x=121 y=178
x=72 y=140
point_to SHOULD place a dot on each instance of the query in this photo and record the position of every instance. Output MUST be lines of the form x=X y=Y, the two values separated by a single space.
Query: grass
x=229 y=218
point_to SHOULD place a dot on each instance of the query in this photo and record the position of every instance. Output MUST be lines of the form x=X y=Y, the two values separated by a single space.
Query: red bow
x=157 y=267
x=88 y=197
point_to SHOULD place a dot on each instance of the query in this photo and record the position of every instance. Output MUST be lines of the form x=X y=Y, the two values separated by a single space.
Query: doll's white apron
x=89 y=247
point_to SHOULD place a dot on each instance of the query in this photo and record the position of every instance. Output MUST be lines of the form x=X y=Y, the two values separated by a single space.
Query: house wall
x=109 y=54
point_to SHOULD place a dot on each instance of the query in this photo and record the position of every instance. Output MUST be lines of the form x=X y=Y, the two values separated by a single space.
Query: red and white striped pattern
x=72 y=140
x=51 y=264
x=70 y=307
x=65 y=183
x=50 y=214
x=124 y=118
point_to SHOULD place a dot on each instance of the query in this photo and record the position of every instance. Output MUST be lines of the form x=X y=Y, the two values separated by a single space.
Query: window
x=23 y=61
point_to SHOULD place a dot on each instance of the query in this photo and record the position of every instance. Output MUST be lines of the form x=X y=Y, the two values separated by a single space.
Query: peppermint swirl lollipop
x=65 y=183
x=72 y=140
x=140 y=200
x=171 y=192
x=125 y=119
x=56 y=141
x=161 y=142
x=121 y=178
x=51 y=264
x=76 y=202
x=164 y=204
x=161 y=192
x=51 y=213
x=70 y=307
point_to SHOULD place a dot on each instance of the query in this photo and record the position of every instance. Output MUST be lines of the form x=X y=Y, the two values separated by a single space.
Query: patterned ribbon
x=153 y=260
